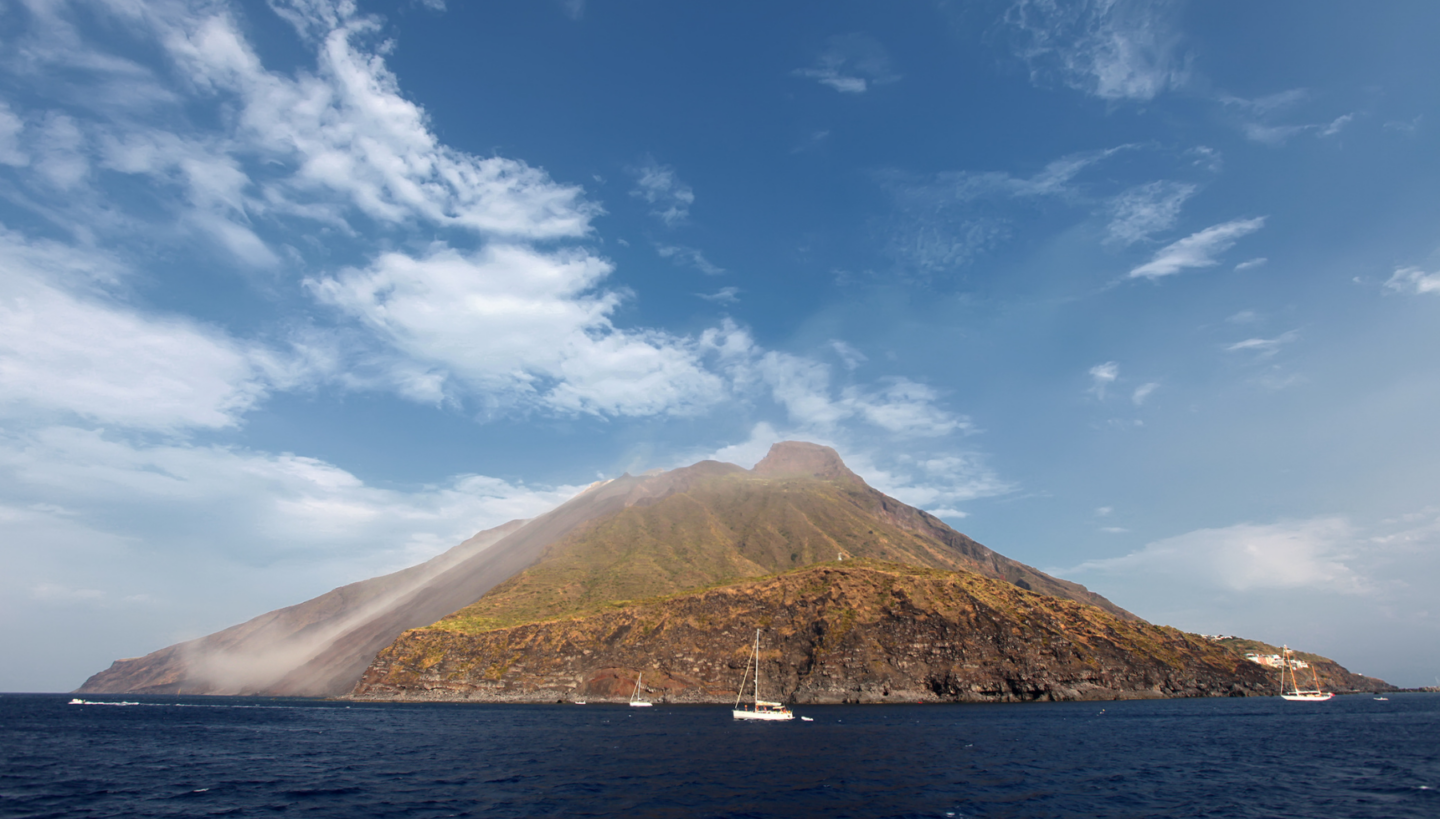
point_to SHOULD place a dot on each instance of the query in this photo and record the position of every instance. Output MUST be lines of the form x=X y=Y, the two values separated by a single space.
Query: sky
x=1143 y=294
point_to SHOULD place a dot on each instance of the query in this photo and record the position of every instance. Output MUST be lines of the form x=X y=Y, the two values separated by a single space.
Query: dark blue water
x=200 y=756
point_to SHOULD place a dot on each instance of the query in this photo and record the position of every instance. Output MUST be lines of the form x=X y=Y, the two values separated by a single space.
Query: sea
x=1354 y=756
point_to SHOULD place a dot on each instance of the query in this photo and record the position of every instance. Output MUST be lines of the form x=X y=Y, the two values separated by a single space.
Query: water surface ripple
x=209 y=756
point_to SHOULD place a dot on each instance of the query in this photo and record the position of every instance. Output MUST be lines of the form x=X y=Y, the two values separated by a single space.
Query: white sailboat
x=1295 y=692
x=760 y=709
x=635 y=701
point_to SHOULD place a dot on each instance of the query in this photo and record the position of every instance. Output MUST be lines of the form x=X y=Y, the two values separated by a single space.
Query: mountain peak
x=799 y=458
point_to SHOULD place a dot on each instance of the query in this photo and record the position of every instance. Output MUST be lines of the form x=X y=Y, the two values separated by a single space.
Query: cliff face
x=839 y=632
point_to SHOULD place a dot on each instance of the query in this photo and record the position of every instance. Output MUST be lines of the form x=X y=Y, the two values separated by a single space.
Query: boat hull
x=1317 y=697
x=767 y=715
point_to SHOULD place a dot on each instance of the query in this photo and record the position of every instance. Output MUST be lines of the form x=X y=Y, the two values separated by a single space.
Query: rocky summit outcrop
x=850 y=631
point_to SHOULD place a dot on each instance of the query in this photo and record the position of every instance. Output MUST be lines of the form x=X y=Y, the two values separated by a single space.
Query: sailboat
x=1296 y=693
x=760 y=709
x=635 y=701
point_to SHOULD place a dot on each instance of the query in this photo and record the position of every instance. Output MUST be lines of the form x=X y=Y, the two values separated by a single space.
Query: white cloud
x=1112 y=49
x=849 y=356
x=522 y=326
x=1197 y=249
x=10 y=128
x=658 y=186
x=1102 y=376
x=67 y=347
x=1259 y=113
x=1313 y=554
x=1413 y=280
x=725 y=295
x=689 y=255
x=940 y=481
x=903 y=407
x=900 y=406
x=946 y=512
x=1273 y=134
x=1147 y=209
x=1407 y=128
x=1336 y=125
x=1264 y=347
x=1142 y=392
x=1251 y=264
x=851 y=64
x=250 y=507
x=327 y=146
x=1268 y=104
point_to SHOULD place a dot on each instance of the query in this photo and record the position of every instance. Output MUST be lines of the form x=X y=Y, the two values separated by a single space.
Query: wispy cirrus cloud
x=939 y=221
x=1143 y=392
x=1147 y=209
x=658 y=186
x=1102 y=376
x=1259 y=115
x=1197 y=249
x=725 y=295
x=851 y=64
x=681 y=254
x=1264 y=347
x=1111 y=49
x=849 y=356
x=1413 y=280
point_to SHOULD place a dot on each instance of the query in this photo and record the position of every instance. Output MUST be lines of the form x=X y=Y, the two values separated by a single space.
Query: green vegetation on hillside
x=722 y=528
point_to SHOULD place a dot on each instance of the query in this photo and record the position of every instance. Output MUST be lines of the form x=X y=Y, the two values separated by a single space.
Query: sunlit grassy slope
x=727 y=527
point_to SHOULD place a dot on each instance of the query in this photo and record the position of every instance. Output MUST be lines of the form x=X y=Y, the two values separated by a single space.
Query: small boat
x=1295 y=693
x=806 y=719
x=635 y=701
x=759 y=709
x=579 y=702
x=1382 y=699
x=77 y=701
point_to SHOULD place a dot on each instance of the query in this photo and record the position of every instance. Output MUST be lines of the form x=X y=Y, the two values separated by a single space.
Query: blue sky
x=1143 y=294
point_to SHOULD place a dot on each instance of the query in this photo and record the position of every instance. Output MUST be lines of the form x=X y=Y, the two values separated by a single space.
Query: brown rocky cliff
x=852 y=632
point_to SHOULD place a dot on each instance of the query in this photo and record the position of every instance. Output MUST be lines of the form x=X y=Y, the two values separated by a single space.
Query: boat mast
x=757 y=668
x=1315 y=677
x=741 y=693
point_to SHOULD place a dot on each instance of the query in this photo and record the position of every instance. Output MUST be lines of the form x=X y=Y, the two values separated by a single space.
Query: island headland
x=859 y=598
